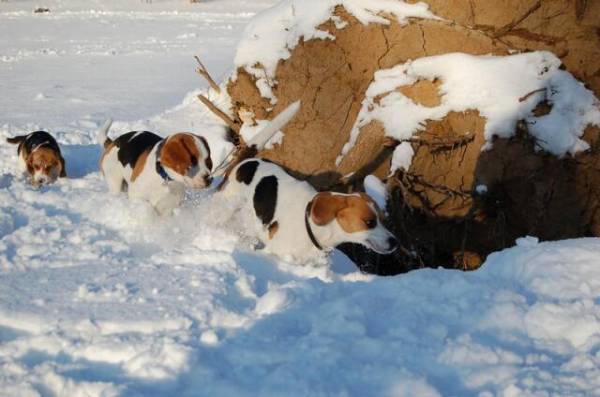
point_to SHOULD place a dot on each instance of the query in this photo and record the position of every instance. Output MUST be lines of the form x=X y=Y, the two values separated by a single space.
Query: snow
x=272 y=34
x=402 y=157
x=100 y=297
x=376 y=190
x=504 y=89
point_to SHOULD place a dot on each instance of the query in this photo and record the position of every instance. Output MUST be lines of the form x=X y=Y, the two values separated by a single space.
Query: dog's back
x=276 y=199
x=122 y=155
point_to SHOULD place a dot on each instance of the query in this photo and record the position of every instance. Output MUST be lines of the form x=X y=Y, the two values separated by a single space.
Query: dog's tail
x=102 y=136
x=16 y=139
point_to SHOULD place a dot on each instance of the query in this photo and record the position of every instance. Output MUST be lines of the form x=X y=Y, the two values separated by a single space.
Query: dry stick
x=526 y=97
x=201 y=70
x=219 y=113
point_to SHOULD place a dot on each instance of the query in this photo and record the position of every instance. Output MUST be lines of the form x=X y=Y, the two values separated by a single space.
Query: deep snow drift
x=98 y=297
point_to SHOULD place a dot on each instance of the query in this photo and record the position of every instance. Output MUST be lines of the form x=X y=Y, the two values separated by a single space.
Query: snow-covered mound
x=272 y=34
x=503 y=89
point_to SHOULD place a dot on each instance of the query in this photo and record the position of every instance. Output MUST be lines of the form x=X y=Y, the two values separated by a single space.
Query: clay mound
x=436 y=208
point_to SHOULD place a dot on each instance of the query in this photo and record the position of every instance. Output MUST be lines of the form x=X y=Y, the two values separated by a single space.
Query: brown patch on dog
x=179 y=153
x=370 y=200
x=108 y=143
x=325 y=207
x=139 y=165
x=46 y=160
x=357 y=214
x=63 y=168
x=352 y=212
x=273 y=228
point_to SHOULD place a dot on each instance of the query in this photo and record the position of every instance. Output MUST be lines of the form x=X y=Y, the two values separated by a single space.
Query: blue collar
x=160 y=170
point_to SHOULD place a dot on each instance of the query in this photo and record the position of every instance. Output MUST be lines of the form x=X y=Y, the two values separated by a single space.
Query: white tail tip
x=103 y=132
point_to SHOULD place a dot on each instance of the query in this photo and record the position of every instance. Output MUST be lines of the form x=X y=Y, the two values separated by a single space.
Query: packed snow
x=272 y=35
x=504 y=89
x=101 y=297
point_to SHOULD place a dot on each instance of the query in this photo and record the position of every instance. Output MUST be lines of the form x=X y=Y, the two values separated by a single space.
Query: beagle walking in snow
x=154 y=169
x=294 y=219
x=39 y=157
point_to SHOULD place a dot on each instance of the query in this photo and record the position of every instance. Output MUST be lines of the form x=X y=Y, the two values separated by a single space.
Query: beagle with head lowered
x=39 y=157
x=294 y=219
x=154 y=169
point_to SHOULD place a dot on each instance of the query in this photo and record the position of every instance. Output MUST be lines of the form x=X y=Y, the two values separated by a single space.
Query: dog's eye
x=371 y=223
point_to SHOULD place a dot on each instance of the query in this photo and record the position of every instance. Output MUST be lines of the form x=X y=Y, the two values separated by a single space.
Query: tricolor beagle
x=296 y=220
x=39 y=157
x=154 y=169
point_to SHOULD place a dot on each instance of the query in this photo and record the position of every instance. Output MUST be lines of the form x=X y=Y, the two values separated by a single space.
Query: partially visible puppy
x=154 y=169
x=39 y=157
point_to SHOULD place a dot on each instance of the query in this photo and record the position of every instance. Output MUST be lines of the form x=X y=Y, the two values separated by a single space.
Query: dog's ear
x=179 y=153
x=325 y=207
x=63 y=170
x=29 y=163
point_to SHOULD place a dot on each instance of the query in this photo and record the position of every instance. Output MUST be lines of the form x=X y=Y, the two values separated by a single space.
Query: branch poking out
x=201 y=70
x=235 y=126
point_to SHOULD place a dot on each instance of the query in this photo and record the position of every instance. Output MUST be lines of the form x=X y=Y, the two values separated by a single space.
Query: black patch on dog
x=265 y=199
x=245 y=172
x=132 y=144
x=207 y=161
x=38 y=139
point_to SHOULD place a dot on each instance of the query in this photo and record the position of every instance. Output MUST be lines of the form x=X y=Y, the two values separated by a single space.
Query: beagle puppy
x=154 y=169
x=39 y=157
x=294 y=219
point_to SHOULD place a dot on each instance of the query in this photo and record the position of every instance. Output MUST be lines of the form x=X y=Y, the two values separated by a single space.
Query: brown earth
x=434 y=208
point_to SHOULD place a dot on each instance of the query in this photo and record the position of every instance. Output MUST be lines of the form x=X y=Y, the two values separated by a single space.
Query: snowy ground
x=98 y=297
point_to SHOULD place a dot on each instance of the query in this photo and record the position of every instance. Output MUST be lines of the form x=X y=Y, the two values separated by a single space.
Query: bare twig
x=201 y=70
x=438 y=145
x=526 y=96
x=233 y=124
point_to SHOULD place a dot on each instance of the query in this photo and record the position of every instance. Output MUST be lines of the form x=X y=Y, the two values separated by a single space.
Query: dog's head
x=45 y=165
x=352 y=218
x=186 y=158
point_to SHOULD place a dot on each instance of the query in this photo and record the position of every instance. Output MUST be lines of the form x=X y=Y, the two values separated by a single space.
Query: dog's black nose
x=393 y=242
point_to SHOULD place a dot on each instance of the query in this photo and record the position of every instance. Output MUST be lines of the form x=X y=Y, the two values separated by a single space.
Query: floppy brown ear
x=29 y=164
x=63 y=170
x=325 y=207
x=178 y=151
